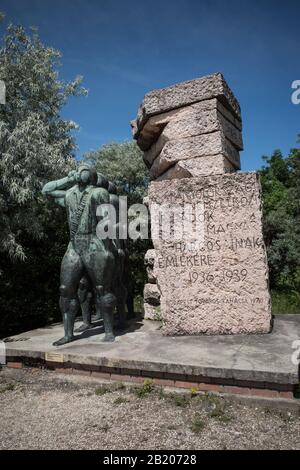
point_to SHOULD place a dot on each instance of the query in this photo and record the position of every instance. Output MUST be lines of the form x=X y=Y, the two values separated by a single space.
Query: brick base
x=202 y=384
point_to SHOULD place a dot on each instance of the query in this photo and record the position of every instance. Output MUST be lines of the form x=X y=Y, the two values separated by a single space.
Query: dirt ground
x=46 y=410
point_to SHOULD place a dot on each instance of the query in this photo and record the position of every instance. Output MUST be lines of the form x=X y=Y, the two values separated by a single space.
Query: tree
x=123 y=164
x=280 y=179
x=36 y=144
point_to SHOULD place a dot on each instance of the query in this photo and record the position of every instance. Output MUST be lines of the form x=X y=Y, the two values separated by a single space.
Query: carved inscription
x=220 y=270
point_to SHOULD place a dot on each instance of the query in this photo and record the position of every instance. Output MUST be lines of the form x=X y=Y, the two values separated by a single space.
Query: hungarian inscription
x=211 y=267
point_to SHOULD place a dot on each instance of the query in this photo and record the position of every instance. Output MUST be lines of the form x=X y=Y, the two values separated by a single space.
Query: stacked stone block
x=190 y=129
x=151 y=292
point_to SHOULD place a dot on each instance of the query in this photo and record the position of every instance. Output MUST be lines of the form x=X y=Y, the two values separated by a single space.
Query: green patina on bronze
x=91 y=267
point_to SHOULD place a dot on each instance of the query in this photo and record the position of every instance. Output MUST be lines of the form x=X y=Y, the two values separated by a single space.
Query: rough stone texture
x=151 y=294
x=150 y=311
x=185 y=93
x=200 y=118
x=256 y=358
x=149 y=263
x=201 y=166
x=214 y=280
x=146 y=201
x=191 y=147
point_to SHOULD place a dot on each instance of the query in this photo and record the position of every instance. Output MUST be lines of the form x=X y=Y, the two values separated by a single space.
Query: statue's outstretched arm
x=57 y=188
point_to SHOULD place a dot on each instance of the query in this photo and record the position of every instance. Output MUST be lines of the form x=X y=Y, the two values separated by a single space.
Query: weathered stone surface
x=146 y=201
x=214 y=279
x=151 y=294
x=261 y=358
x=185 y=93
x=151 y=312
x=197 y=146
x=201 y=166
x=199 y=118
x=149 y=263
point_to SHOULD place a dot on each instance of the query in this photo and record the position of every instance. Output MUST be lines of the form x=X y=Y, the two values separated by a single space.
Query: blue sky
x=126 y=48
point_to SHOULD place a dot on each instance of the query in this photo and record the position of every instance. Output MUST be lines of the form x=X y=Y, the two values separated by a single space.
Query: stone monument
x=209 y=259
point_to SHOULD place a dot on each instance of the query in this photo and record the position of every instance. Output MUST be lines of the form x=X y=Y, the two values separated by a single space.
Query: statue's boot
x=107 y=304
x=69 y=315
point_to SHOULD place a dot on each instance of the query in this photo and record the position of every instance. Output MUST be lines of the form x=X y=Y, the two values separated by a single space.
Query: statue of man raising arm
x=86 y=253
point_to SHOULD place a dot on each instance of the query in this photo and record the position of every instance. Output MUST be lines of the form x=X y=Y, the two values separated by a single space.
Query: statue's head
x=112 y=188
x=102 y=181
x=87 y=175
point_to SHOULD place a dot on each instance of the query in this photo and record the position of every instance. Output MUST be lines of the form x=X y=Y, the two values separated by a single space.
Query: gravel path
x=47 y=410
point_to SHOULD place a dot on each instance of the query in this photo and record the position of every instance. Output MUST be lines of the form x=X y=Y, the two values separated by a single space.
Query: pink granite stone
x=214 y=278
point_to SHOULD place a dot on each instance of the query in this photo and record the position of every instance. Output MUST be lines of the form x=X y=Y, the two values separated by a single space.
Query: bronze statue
x=86 y=255
x=85 y=294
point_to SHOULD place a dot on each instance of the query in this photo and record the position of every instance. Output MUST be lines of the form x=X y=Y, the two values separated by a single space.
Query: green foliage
x=145 y=389
x=157 y=314
x=285 y=301
x=181 y=400
x=280 y=178
x=220 y=414
x=198 y=424
x=103 y=390
x=29 y=289
x=7 y=388
x=120 y=401
x=36 y=145
x=123 y=164
x=110 y=388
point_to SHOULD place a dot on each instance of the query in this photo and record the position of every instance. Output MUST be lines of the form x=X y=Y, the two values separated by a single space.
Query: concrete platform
x=213 y=363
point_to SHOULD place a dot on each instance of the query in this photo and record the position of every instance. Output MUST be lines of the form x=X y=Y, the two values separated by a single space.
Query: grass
x=145 y=389
x=120 y=401
x=210 y=399
x=100 y=391
x=157 y=314
x=285 y=302
x=119 y=386
x=109 y=388
x=198 y=424
x=7 y=388
x=138 y=303
x=220 y=415
x=181 y=400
